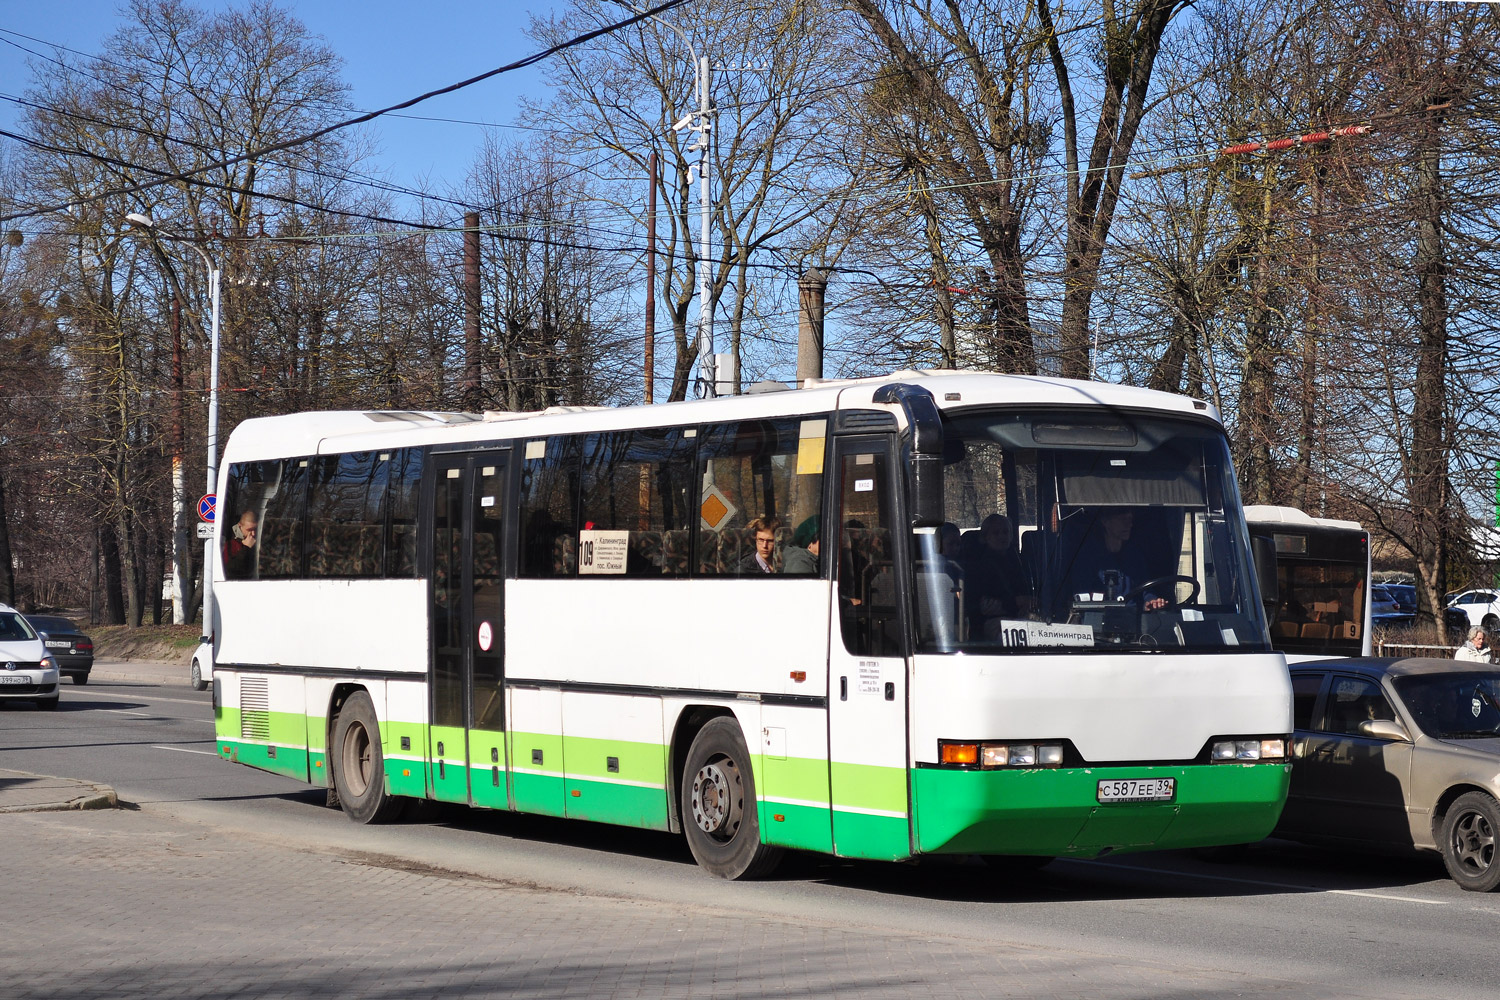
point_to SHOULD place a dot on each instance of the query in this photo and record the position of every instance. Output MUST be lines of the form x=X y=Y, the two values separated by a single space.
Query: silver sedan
x=1399 y=754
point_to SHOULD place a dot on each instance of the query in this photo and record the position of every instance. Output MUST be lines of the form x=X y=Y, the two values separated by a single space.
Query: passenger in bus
x=763 y=531
x=1109 y=564
x=801 y=557
x=997 y=584
x=239 y=551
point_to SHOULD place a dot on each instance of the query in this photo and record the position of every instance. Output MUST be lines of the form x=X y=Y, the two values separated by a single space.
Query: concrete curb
x=21 y=791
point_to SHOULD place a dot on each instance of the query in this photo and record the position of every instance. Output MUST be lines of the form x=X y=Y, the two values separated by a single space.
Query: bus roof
x=1292 y=517
x=329 y=432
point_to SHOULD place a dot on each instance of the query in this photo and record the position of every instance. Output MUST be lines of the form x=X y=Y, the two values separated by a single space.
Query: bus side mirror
x=1263 y=551
x=926 y=500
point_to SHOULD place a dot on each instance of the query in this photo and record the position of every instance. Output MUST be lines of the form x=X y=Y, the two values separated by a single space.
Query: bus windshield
x=1097 y=531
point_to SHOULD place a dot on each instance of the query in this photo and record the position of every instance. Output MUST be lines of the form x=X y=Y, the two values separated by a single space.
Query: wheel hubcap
x=1474 y=843
x=715 y=799
x=357 y=759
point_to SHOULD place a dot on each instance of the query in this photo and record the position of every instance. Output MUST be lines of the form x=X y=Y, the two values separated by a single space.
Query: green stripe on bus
x=793 y=824
x=1057 y=812
x=590 y=757
x=802 y=778
x=538 y=793
x=289 y=761
x=867 y=786
x=876 y=838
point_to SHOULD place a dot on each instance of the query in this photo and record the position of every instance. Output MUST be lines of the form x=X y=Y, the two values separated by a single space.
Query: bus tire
x=719 y=813
x=359 y=765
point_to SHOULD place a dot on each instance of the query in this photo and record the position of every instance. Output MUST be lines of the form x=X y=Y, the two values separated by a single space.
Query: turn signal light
x=958 y=753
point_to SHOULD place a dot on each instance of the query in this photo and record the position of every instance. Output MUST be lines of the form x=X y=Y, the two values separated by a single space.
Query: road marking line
x=116 y=696
x=1271 y=885
x=206 y=753
x=126 y=711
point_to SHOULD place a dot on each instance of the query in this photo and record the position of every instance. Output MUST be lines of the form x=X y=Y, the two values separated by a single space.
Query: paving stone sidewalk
x=131 y=905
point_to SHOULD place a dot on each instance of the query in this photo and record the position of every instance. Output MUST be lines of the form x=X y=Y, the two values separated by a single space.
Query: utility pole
x=700 y=122
x=650 y=361
x=471 y=311
x=181 y=576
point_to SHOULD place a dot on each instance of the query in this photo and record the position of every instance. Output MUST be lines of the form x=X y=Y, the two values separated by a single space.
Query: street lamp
x=148 y=225
x=698 y=121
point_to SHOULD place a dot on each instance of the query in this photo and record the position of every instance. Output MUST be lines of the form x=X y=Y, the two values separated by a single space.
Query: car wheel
x=359 y=764
x=1491 y=622
x=719 y=810
x=1469 y=833
x=48 y=704
x=80 y=679
x=198 y=682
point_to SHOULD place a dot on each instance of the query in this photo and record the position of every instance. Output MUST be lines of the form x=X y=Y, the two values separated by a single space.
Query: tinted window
x=1352 y=700
x=549 y=507
x=868 y=599
x=761 y=478
x=636 y=503
x=1305 y=688
x=259 y=501
x=1461 y=704
x=346 y=516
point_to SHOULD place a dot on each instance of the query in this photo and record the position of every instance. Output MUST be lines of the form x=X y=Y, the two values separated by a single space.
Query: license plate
x=1137 y=789
x=59 y=645
x=14 y=679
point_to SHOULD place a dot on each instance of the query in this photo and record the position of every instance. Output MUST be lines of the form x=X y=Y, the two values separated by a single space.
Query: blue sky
x=393 y=50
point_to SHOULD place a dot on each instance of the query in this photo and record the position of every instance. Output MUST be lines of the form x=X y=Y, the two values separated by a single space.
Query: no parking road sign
x=207 y=504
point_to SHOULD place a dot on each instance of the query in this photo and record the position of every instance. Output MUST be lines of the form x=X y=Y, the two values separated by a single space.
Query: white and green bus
x=932 y=613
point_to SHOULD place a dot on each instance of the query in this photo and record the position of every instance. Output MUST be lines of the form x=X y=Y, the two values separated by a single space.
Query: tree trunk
x=1427 y=473
x=7 y=568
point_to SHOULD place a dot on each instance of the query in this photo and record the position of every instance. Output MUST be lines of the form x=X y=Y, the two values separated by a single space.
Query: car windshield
x=13 y=627
x=1087 y=530
x=1462 y=704
x=50 y=624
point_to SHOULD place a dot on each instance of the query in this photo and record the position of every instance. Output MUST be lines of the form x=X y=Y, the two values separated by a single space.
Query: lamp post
x=699 y=122
x=148 y=225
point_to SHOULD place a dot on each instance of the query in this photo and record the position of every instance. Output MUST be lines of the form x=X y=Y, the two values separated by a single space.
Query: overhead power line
x=350 y=122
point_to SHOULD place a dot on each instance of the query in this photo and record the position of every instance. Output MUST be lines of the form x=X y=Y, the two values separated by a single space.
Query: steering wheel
x=1171 y=600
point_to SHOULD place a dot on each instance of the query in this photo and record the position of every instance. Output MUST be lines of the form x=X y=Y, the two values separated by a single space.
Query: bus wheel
x=718 y=805
x=359 y=765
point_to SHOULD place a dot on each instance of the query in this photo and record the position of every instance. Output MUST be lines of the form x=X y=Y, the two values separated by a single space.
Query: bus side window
x=638 y=482
x=549 y=507
x=765 y=474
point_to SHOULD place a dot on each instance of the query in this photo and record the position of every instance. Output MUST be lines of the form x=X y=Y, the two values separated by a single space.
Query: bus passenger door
x=867 y=697
x=466 y=745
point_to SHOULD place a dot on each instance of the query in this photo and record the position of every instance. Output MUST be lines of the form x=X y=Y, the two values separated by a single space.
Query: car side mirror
x=42 y=635
x=1384 y=729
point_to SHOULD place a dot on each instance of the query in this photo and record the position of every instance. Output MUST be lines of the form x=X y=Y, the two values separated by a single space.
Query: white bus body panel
x=1112 y=707
x=322 y=624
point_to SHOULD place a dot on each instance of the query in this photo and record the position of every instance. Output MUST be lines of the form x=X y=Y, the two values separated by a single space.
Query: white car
x=27 y=671
x=203 y=663
x=1481 y=607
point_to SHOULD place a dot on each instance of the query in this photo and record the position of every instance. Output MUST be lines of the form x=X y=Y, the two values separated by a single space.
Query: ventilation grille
x=255 y=708
x=855 y=421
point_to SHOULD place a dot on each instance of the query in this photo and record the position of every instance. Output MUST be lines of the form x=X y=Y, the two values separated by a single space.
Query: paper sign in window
x=810 y=440
x=602 y=553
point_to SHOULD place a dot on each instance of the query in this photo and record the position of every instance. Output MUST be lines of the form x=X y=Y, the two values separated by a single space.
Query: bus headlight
x=1264 y=749
x=995 y=755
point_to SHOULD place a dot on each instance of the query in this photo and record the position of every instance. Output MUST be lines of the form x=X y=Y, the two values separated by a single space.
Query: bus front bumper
x=1058 y=812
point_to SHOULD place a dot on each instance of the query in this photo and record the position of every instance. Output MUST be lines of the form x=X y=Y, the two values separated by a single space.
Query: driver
x=1109 y=564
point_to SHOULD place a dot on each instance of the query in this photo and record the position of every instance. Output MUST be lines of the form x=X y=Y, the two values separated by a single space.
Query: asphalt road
x=1283 y=920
